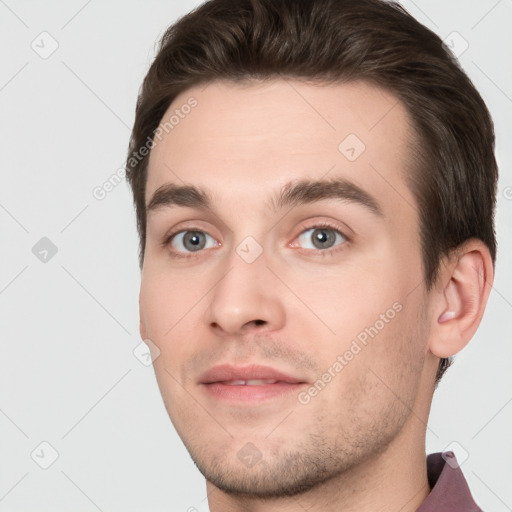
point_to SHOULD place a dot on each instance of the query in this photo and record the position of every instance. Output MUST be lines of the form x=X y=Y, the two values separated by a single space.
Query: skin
x=359 y=444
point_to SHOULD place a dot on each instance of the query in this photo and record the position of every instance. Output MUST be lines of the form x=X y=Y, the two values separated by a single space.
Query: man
x=315 y=186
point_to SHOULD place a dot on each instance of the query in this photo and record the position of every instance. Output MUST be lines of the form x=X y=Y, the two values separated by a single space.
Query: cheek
x=368 y=319
x=349 y=303
x=378 y=383
x=170 y=305
x=167 y=297
x=390 y=365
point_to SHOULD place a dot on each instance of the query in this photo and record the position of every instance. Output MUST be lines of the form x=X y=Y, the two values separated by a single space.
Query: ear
x=461 y=294
x=142 y=323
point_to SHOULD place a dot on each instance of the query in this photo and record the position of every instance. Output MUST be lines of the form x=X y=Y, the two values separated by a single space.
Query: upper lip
x=226 y=372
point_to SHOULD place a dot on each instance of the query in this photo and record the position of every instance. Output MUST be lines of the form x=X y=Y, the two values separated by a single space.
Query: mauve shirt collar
x=449 y=490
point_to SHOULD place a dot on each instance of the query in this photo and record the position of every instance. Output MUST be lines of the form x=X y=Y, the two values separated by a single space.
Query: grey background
x=68 y=373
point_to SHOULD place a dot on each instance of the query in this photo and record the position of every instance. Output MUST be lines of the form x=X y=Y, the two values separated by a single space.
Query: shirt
x=449 y=490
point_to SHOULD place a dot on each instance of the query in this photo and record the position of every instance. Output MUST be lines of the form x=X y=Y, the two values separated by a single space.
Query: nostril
x=259 y=322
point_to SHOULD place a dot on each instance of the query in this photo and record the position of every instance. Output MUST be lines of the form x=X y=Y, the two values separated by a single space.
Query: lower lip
x=251 y=393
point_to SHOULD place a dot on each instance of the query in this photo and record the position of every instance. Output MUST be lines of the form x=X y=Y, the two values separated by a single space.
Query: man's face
x=322 y=284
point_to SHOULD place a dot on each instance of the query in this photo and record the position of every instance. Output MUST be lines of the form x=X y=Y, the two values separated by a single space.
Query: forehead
x=240 y=140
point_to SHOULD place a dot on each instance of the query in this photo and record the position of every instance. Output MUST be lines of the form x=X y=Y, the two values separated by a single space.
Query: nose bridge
x=245 y=294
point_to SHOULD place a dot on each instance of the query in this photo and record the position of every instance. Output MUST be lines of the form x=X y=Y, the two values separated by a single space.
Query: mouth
x=249 y=384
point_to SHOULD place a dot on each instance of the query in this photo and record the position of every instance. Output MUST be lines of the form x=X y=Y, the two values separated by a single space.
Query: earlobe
x=462 y=300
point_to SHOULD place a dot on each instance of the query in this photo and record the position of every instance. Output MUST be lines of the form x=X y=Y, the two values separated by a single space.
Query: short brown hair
x=454 y=181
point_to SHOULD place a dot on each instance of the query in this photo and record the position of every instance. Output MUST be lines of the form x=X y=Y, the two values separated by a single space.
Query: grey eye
x=192 y=241
x=320 y=238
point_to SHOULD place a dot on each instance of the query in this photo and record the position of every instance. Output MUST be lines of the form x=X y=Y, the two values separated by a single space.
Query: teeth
x=251 y=382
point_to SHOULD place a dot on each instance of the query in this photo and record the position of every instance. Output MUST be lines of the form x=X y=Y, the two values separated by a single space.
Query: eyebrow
x=291 y=195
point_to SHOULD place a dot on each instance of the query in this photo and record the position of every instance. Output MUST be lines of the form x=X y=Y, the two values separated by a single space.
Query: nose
x=245 y=299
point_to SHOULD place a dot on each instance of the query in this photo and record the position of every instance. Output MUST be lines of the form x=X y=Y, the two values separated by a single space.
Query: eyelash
x=319 y=252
